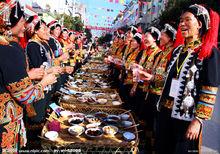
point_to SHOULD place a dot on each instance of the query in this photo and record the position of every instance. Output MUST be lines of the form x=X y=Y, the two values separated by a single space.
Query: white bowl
x=76 y=130
x=66 y=113
x=116 y=103
x=113 y=96
x=110 y=130
x=51 y=135
x=66 y=97
x=102 y=101
x=94 y=133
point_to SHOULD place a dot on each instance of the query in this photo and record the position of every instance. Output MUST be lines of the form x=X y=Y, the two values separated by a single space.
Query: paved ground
x=211 y=131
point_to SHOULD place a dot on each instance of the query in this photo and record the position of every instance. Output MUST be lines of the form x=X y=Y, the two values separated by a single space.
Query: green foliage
x=88 y=34
x=175 y=8
x=72 y=23
x=105 y=39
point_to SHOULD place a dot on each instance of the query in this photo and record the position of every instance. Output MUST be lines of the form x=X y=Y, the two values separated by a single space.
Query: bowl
x=110 y=130
x=114 y=117
x=124 y=116
x=75 y=120
x=94 y=133
x=128 y=136
x=82 y=99
x=102 y=101
x=113 y=96
x=101 y=115
x=51 y=135
x=126 y=123
x=93 y=125
x=66 y=114
x=80 y=115
x=116 y=103
x=76 y=130
x=66 y=97
x=92 y=119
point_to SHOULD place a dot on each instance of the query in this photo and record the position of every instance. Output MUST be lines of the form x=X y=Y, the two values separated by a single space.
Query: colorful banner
x=122 y=1
x=98 y=28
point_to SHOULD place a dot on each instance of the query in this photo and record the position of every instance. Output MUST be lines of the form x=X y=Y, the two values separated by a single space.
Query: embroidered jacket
x=157 y=84
x=16 y=92
x=148 y=60
x=199 y=80
x=130 y=58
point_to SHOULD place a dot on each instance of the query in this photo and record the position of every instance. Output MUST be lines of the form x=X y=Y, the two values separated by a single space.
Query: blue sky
x=99 y=8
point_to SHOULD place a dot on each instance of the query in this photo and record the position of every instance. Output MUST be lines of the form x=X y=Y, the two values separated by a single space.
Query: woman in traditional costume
x=192 y=81
x=16 y=89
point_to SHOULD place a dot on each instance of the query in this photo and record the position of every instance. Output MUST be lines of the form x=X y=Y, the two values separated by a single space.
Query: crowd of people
x=170 y=78
x=36 y=59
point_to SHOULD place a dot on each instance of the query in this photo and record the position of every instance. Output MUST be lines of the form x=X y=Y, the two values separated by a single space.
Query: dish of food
x=75 y=120
x=101 y=115
x=66 y=113
x=110 y=130
x=94 y=132
x=116 y=103
x=113 y=96
x=76 y=130
x=66 y=97
x=114 y=117
x=102 y=101
x=51 y=135
x=93 y=125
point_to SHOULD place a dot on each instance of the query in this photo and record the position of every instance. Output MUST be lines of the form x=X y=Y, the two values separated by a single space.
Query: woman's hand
x=55 y=69
x=145 y=76
x=193 y=130
x=69 y=69
x=48 y=79
x=36 y=73
x=64 y=56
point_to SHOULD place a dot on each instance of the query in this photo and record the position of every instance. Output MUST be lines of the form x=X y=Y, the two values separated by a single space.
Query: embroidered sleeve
x=25 y=92
x=210 y=77
x=205 y=105
x=15 y=77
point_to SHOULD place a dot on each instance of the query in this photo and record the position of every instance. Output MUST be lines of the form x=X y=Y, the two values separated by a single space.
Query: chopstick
x=125 y=112
x=132 y=126
x=139 y=131
x=41 y=137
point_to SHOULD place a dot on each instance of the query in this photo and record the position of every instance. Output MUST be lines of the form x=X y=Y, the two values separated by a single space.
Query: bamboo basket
x=102 y=145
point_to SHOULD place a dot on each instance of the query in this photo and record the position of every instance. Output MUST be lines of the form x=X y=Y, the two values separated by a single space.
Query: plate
x=51 y=135
x=116 y=103
x=128 y=136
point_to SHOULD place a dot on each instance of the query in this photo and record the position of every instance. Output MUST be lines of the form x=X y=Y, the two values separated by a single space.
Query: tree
x=73 y=23
x=176 y=7
x=88 y=34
